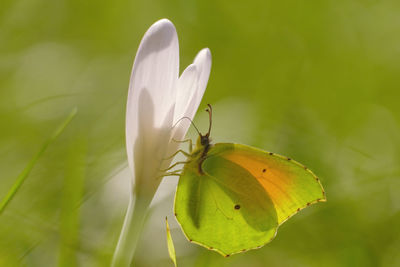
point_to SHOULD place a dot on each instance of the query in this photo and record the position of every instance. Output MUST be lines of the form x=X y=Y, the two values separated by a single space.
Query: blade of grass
x=170 y=243
x=25 y=173
x=73 y=187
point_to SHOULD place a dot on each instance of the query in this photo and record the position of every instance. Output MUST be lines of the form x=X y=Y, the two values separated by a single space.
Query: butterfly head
x=204 y=140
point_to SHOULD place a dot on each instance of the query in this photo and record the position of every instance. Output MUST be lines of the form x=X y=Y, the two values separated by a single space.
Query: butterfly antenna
x=190 y=122
x=209 y=110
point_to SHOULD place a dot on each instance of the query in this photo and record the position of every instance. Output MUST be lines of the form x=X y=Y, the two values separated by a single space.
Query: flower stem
x=129 y=237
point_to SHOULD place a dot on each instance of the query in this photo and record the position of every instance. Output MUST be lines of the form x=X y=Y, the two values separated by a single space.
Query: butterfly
x=232 y=198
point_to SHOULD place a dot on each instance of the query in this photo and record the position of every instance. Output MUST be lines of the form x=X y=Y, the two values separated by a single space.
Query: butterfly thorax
x=199 y=154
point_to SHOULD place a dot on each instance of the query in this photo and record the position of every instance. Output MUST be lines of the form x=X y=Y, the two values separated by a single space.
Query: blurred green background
x=314 y=80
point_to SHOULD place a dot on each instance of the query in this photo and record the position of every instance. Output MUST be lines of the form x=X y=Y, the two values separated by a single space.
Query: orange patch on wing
x=271 y=175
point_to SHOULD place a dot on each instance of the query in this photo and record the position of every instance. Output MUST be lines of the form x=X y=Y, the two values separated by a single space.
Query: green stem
x=133 y=225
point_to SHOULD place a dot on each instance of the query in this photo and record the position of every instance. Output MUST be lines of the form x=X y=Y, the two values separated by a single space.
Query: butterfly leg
x=176 y=153
x=174 y=173
x=175 y=164
x=185 y=141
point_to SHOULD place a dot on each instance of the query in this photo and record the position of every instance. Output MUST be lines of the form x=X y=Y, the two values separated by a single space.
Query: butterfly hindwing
x=218 y=209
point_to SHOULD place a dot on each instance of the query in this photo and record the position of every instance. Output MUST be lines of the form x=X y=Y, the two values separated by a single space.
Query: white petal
x=202 y=66
x=186 y=89
x=152 y=88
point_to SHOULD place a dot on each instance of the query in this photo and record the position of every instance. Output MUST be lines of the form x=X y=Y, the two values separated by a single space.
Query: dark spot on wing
x=264 y=170
x=237 y=207
x=271 y=153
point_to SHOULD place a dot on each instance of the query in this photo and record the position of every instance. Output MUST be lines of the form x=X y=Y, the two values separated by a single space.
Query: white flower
x=157 y=99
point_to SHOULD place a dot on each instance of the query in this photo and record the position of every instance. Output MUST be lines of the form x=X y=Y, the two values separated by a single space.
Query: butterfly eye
x=237 y=207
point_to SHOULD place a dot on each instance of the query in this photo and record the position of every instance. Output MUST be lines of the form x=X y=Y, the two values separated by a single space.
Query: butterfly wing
x=241 y=196
x=227 y=211
x=290 y=185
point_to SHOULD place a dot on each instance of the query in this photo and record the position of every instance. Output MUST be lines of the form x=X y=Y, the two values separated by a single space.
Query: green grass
x=25 y=173
x=313 y=80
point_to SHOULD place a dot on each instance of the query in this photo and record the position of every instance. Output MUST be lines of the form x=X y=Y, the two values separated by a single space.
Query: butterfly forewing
x=290 y=185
